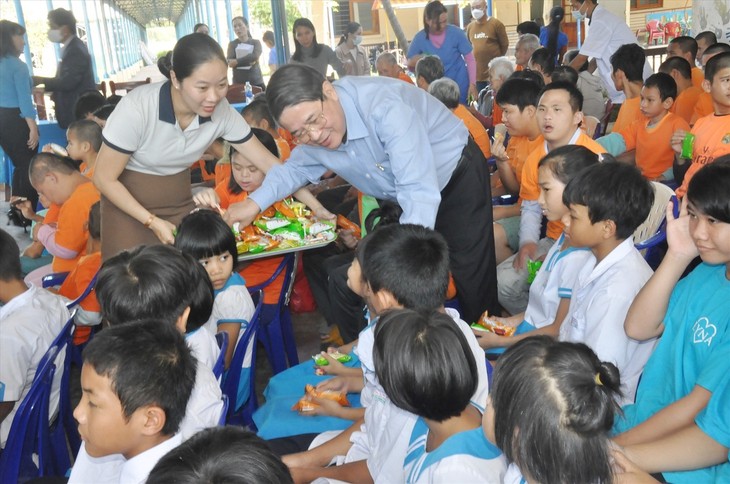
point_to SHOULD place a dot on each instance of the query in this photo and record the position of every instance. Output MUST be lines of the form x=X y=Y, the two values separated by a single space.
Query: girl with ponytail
x=552 y=38
x=550 y=411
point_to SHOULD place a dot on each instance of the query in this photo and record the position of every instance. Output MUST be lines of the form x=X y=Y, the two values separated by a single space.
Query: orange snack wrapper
x=306 y=405
x=495 y=327
x=344 y=223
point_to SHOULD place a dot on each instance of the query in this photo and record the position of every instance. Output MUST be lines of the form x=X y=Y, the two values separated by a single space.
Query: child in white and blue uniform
x=552 y=289
x=426 y=367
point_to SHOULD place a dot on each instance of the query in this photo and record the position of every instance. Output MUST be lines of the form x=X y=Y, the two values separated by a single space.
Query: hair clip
x=597 y=379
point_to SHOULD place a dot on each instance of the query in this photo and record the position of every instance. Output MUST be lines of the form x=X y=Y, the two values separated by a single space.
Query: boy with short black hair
x=650 y=136
x=704 y=40
x=704 y=106
x=136 y=381
x=687 y=94
x=30 y=319
x=712 y=133
x=627 y=65
x=518 y=103
x=686 y=47
x=607 y=202
x=428 y=69
x=387 y=263
x=559 y=117
x=84 y=142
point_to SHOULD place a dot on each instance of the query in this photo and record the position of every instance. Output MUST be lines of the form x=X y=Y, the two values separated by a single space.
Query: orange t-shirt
x=51 y=216
x=222 y=172
x=519 y=149
x=630 y=111
x=684 y=105
x=654 y=153
x=712 y=140
x=697 y=77
x=476 y=129
x=259 y=270
x=529 y=188
x=405 y=77
x=496 y=114
x=703 y=107
x=283 y=146
x=287 y=137
x=70 y=232
x=76 y=283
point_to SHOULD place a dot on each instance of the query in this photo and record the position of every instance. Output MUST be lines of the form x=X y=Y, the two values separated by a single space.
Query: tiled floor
x=305 y=325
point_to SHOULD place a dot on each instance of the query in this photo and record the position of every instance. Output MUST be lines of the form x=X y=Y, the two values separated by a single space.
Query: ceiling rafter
x=145 y=11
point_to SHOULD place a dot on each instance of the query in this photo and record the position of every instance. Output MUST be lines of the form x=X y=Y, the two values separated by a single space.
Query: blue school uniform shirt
x=693 y=350
x=456 y=45
x=464 y=457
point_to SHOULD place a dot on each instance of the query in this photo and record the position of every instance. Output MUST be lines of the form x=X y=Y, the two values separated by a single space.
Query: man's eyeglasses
x=304 y=135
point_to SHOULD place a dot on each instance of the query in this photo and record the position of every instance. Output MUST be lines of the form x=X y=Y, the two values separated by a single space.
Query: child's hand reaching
x=336 y=384
x=679 y=238
x=207 y=198
x=333 y=368
x=487 y=339
x=677 y=140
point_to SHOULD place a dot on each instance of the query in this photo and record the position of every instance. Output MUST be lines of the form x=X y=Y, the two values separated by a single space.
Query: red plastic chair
x=672 y=30
x=654 y=31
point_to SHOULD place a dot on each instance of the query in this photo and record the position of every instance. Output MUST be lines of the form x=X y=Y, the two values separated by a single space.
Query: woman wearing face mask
x=310 y=52
x=489 y=39
x=353 y=55
x=243 y=55
x=450 y=44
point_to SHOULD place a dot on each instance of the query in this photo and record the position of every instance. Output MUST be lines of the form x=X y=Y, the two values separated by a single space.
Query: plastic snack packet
x=687 y=146
x=486 y=324
x=306 y=405
x=320 y=360
x=532 y=267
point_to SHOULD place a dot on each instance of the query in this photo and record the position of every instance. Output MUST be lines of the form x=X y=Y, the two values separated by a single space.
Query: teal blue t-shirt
x=693 y=350
x=714 y=421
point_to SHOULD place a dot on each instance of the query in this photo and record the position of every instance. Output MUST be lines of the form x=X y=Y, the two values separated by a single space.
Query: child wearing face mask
x=351 y=53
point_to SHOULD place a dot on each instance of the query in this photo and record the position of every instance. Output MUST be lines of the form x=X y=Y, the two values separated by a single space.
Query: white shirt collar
x=138 y=468
x=617 y=254
x=17 y=302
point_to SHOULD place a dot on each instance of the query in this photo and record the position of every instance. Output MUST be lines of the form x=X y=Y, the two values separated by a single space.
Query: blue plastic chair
x=232 y=377
x=277 y=334
x=222 y=340
x=64 y=426
x=650 y=236
x=29 y=433
x=57 y=278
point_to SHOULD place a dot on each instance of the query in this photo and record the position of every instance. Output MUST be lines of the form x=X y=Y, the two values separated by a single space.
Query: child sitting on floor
x=690 y=360
x=136 y=381
x=650 y=135
x=551 y=410
x=607 y=202
x=447 y=443
x=552 y=288
x=30 y=319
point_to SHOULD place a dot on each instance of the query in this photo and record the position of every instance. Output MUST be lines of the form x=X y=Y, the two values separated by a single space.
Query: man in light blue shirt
x=395 y=142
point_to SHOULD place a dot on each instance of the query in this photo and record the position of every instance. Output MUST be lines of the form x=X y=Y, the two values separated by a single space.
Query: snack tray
x=288 y=250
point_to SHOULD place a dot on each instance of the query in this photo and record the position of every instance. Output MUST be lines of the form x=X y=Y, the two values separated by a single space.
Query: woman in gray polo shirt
x=155 y=133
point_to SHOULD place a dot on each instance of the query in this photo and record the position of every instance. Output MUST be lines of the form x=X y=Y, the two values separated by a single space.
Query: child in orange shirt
x=687 y=94
x=246 y=178
x=88 y=312
x=712 y=133
x=559 y=117
x=650 y=138
x=257 y=115
x=61 y=183
x=686 y=47
x=627 y=64
x=704 y=106
x=518 y=100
